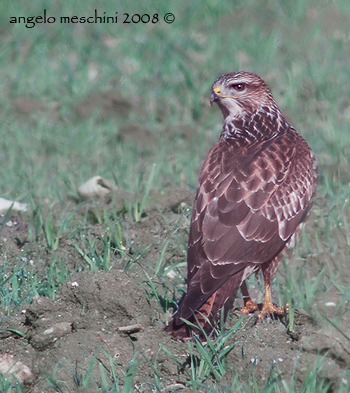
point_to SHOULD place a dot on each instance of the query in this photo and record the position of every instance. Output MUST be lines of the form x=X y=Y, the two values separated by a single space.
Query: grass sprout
x=140 y=207
x=130 y=102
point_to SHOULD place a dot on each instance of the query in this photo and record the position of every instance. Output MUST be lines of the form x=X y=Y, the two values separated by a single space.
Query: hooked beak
x=215 y=95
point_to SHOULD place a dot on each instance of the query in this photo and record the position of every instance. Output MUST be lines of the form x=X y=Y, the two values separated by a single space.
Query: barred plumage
x=255 y=190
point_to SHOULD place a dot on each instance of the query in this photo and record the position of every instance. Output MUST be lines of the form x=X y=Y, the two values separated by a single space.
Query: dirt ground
x=107 y=321
x=99 y=316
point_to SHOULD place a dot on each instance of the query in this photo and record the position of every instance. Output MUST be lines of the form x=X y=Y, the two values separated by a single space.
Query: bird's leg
x=268 y=306
x=249 y=305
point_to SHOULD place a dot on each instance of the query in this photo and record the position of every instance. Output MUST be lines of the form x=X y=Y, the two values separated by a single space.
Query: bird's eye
x=238 y=86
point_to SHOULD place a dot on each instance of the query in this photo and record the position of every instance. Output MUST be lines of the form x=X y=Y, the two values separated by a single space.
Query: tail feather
x=206 y=317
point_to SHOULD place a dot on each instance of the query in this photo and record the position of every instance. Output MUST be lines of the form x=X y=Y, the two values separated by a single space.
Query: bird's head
x=240 y=93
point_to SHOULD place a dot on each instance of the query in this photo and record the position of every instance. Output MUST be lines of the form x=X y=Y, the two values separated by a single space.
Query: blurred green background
x=164 y=72
x=79 y=100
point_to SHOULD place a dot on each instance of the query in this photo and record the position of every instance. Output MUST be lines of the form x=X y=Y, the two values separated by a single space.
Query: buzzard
x=255 y=191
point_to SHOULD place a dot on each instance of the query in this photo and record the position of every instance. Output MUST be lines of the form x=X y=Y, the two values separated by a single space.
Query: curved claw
x=249 y=307
x=271 y=309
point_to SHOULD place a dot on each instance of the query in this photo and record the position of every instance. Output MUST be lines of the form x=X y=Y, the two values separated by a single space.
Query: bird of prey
x=255 y=191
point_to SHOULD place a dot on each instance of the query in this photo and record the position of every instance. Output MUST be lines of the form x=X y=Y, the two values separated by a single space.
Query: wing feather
x=249 y=203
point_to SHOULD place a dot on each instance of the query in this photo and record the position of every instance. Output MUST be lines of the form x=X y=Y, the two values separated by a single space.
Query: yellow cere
x=217 y=90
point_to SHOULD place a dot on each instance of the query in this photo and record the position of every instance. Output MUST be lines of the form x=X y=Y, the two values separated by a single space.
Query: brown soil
x=108 y=320
x=106 y=104
x=99 y=316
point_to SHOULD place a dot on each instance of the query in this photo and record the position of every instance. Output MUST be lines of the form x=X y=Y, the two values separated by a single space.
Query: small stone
x=48 y=331
x=10 y=366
